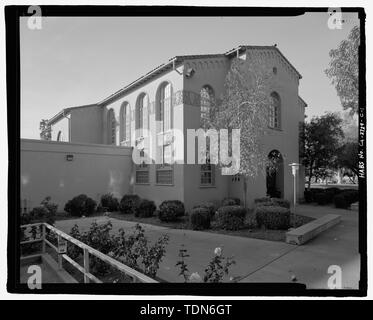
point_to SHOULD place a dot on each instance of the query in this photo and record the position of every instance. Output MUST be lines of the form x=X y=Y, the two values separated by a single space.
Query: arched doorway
x=275 y=175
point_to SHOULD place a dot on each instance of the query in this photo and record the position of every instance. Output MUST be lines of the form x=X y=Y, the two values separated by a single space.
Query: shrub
x=321 y=198
x=258 y=201
x=50 y=206
x=334 y=190
x=273 y=217
x=230 y=217
x=209 y=206
x=351 y=195
x=171 y=210
x=129 y=203
x=80 y=205
x=200 y=218
x=341 y=202
x=110 y=202
x=308 y=196
x=272 y=202
x=145 y=209
x=42 y=214
x=281 y=202
x=230 y=202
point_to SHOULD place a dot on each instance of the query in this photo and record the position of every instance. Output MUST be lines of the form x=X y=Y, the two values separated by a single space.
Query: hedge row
x=340 y=198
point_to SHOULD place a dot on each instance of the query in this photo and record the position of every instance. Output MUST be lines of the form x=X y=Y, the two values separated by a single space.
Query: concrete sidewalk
x=258 y=260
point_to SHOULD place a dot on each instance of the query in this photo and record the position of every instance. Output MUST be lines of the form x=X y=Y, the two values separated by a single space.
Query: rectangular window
x=207 y=174
x=164 y=172
x=142 y=174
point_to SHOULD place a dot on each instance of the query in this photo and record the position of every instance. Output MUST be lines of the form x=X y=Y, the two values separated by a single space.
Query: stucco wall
x=61 y=126
x=95 y=170
x=86 y=125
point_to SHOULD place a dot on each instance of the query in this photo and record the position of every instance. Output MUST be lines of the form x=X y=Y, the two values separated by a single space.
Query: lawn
x=246 y=231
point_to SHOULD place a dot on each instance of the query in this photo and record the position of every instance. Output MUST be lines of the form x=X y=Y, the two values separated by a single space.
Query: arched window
x=207 y=97
x=164 y=112
x=125 y=123
x=142 y=114
x=275 y=111
x=112 y=124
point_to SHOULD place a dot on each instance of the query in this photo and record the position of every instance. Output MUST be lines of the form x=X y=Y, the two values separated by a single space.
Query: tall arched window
x=164 y=112
x=275 y=111
x=112 y=126
x=207 y=97
x=125 y=123
x=142 y=114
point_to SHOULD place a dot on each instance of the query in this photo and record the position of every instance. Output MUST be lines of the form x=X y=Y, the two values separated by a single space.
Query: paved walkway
x=259 y=260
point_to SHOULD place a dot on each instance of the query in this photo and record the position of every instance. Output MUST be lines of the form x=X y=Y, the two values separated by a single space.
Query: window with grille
x=142 y=172
x=164 y=110
x=125 y=124
x=112 y=124
x=207 y=174
x=164 y=171
x=207 y=96
x=142 y=115
x=274 y=111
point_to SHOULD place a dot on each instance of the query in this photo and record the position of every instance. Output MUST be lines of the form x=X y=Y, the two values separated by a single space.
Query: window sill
x=165 y=184
x=207 y=186
x=143 y=183
x=275 y=129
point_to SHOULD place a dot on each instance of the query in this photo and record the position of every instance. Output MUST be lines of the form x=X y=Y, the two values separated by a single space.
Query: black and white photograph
x=203 y=150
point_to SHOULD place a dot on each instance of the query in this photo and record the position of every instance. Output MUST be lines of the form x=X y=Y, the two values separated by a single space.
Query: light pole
x=294 y=168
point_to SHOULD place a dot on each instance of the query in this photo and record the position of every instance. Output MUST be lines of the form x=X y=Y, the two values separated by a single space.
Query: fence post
x=59 y=254
x=86 y=264
x=43 y=238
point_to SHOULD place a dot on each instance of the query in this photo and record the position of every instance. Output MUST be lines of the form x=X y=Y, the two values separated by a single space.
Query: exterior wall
x=95 y=170
x=210 y=72
x=63 y=126
x=86 y=125
x=152 y=191
x=285 y=139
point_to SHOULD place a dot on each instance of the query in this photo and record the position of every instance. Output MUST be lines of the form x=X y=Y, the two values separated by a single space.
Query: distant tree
x=45 y=130
x=344 y=70
x=245 y=106
x=347 y=156
x=321 y=139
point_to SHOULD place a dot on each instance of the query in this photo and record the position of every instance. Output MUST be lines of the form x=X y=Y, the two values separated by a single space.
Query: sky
x=77 y=61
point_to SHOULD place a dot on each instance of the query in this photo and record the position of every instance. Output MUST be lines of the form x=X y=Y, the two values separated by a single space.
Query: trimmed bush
x=272 y=202
x=351 y=195
x=80 y=205
x=145 y=209
x=341 y=202
x=321 y=198
x=129 y=204
x=209 y=206
x=171 y=210
x=273 y=217
x=200 y=218
x=110 y=202
x=230 y=217
x=308 y=196
x=230 y=202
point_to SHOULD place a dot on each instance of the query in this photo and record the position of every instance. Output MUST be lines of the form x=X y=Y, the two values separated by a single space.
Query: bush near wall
x=44 y=213
x=200 y=218
x=230 y=202
x=267 y=201
x=209 y=206
x=110 y=202
x=171 y=210
x=145 y=209
x=230 y=217
x=273 y=217
x=129 y=204
x=344 y=199
x=80 y=205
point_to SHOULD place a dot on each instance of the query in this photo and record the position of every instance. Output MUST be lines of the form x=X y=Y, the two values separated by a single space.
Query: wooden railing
x=87 y=252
